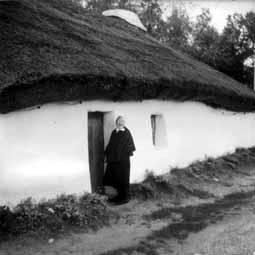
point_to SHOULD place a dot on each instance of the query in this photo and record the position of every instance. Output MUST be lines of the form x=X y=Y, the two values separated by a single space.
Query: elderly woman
x=118 y=151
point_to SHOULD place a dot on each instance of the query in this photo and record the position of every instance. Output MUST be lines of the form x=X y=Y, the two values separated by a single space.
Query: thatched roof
x=51 y=51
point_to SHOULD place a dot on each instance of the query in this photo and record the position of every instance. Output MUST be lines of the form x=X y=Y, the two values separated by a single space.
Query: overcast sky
x=219 y=9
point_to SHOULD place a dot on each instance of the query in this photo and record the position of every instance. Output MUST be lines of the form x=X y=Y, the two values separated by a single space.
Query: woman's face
x=120 y=122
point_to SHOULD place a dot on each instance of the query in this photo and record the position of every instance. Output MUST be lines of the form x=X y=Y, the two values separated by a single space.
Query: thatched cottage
x=66 y=74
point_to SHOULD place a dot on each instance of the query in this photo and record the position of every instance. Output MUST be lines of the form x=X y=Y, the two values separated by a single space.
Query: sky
x=219 y=9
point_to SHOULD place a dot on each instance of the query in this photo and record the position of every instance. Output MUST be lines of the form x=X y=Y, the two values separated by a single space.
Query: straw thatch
x=51 y=51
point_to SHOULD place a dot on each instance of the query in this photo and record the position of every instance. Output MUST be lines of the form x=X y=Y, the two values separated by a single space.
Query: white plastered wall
x=44 y=152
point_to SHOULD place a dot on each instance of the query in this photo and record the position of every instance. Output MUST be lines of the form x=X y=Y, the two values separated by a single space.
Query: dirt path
x=233 y=235
x=148 y=228
x=128 y=231
x=224 y=227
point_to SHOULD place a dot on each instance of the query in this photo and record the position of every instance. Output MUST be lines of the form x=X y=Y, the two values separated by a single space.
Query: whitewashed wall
x=43 y=151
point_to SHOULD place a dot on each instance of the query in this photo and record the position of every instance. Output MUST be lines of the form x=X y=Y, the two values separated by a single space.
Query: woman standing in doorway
x=118 y=151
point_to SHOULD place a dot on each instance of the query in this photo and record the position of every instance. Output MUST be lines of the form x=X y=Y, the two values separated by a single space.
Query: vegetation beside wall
x=202 y=179
x=54 y=216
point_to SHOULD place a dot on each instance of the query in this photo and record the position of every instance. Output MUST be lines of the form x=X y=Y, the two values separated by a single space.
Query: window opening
x=159 y=134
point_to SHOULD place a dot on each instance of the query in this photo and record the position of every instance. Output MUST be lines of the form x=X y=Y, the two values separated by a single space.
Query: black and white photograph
x=127 y=127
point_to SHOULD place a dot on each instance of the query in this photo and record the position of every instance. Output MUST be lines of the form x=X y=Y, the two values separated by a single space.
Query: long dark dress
x=118 y=151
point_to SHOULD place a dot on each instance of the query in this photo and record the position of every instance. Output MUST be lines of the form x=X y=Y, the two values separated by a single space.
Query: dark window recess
x=159 y=134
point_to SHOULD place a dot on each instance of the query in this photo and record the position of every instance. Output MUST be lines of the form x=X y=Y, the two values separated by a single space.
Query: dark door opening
x=96 y=148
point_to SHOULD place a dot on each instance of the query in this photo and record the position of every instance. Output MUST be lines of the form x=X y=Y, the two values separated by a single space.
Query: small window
x=158 y=126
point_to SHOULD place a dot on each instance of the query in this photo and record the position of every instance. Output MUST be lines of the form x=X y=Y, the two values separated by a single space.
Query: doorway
x=100 y=125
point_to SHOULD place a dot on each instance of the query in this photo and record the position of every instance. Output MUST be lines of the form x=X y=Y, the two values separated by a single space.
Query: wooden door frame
x=96 y=148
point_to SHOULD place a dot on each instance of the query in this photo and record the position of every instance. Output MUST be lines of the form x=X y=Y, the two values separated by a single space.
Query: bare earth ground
x=209 y=213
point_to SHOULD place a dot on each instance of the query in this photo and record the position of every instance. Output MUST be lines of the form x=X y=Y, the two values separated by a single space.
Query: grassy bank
x=210 y=178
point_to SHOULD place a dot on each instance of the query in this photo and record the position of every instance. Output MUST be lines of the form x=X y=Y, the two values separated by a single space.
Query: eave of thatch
x=50 y=52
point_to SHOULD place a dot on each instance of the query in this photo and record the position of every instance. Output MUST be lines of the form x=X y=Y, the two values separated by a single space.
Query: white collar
x=120 y=129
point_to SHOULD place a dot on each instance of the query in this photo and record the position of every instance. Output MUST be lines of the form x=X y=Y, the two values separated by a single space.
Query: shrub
x=88 y=211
